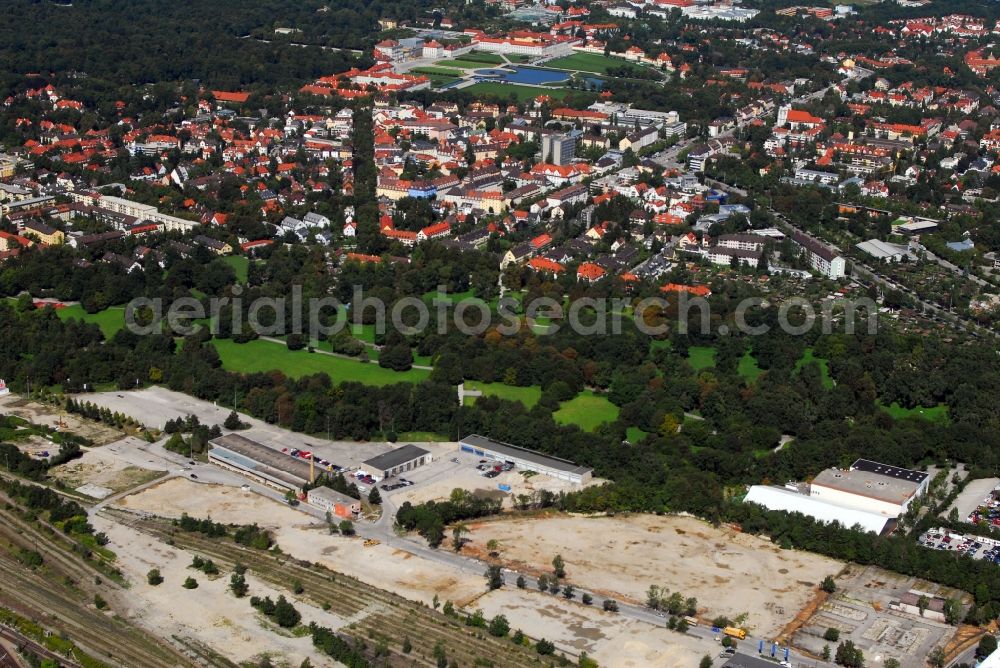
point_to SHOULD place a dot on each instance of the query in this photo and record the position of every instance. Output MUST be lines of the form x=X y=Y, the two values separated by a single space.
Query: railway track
x=59 y=595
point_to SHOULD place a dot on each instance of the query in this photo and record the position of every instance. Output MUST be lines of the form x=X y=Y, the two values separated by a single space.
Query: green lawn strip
x=444 y=71
x=528 y=396
x=464 y=64
x=937 y=413
x=586 y=62
x=523 y=93
x=262 y=356
x=586 y=410
x=483 y=57
x=423 y=437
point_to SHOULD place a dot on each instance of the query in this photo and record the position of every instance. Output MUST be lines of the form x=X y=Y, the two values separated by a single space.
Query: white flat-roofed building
x=790 y=501
x=523 y=458
x=870 y=486
x=881 y=250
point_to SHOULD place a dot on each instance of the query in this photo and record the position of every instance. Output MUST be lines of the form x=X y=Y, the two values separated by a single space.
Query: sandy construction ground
x=298 y=534
x=728 y=572
x=104 y=469
x=210 y=613
x=612 y=640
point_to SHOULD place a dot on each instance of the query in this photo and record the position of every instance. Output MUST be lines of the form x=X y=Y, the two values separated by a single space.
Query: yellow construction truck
x=734 y=632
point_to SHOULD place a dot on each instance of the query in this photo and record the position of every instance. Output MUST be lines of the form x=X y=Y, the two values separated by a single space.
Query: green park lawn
x=262 y=356
x=937 y=413
x=110 y=320
x=634 y=435
x=528 y=396
x=824 y=366
x=701 y=357
x=586 y=410
x=463 y=64
x=748 y=368
x=443 y=71
x=240 y=265
x=585 y=62
x=523 y=93
x=483 y=57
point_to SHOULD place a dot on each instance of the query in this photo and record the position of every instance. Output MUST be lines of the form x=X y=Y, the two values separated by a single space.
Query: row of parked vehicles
x=306 y=454
x=359 y=475
x=493 y=469
x=967 y=545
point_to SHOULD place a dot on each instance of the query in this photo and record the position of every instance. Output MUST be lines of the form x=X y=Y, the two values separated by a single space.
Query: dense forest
x=151 y=41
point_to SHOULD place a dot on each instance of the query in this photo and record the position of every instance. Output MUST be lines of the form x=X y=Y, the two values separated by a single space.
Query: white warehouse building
x=870 y=486
x=528 y=460
x=868 y=494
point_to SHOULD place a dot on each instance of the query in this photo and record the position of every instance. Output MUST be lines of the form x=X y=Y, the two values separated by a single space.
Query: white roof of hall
x=778 y=498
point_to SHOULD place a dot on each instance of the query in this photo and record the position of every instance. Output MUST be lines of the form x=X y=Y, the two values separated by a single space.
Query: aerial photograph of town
x=500 y=333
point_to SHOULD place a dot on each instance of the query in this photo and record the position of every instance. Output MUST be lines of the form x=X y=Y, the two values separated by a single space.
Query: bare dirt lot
x=298 y=534
x=612 y=640
x=102 y=469
x=624 y=555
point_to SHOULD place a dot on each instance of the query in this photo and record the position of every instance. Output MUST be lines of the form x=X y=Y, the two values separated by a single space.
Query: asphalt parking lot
x=976 y=547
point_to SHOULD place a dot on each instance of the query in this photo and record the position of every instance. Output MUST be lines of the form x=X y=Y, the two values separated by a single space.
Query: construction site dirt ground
x=51 y=416
x=860 y=611
x=307 y=538
x=99 y=468
x=730 y=573
x=613 y=641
